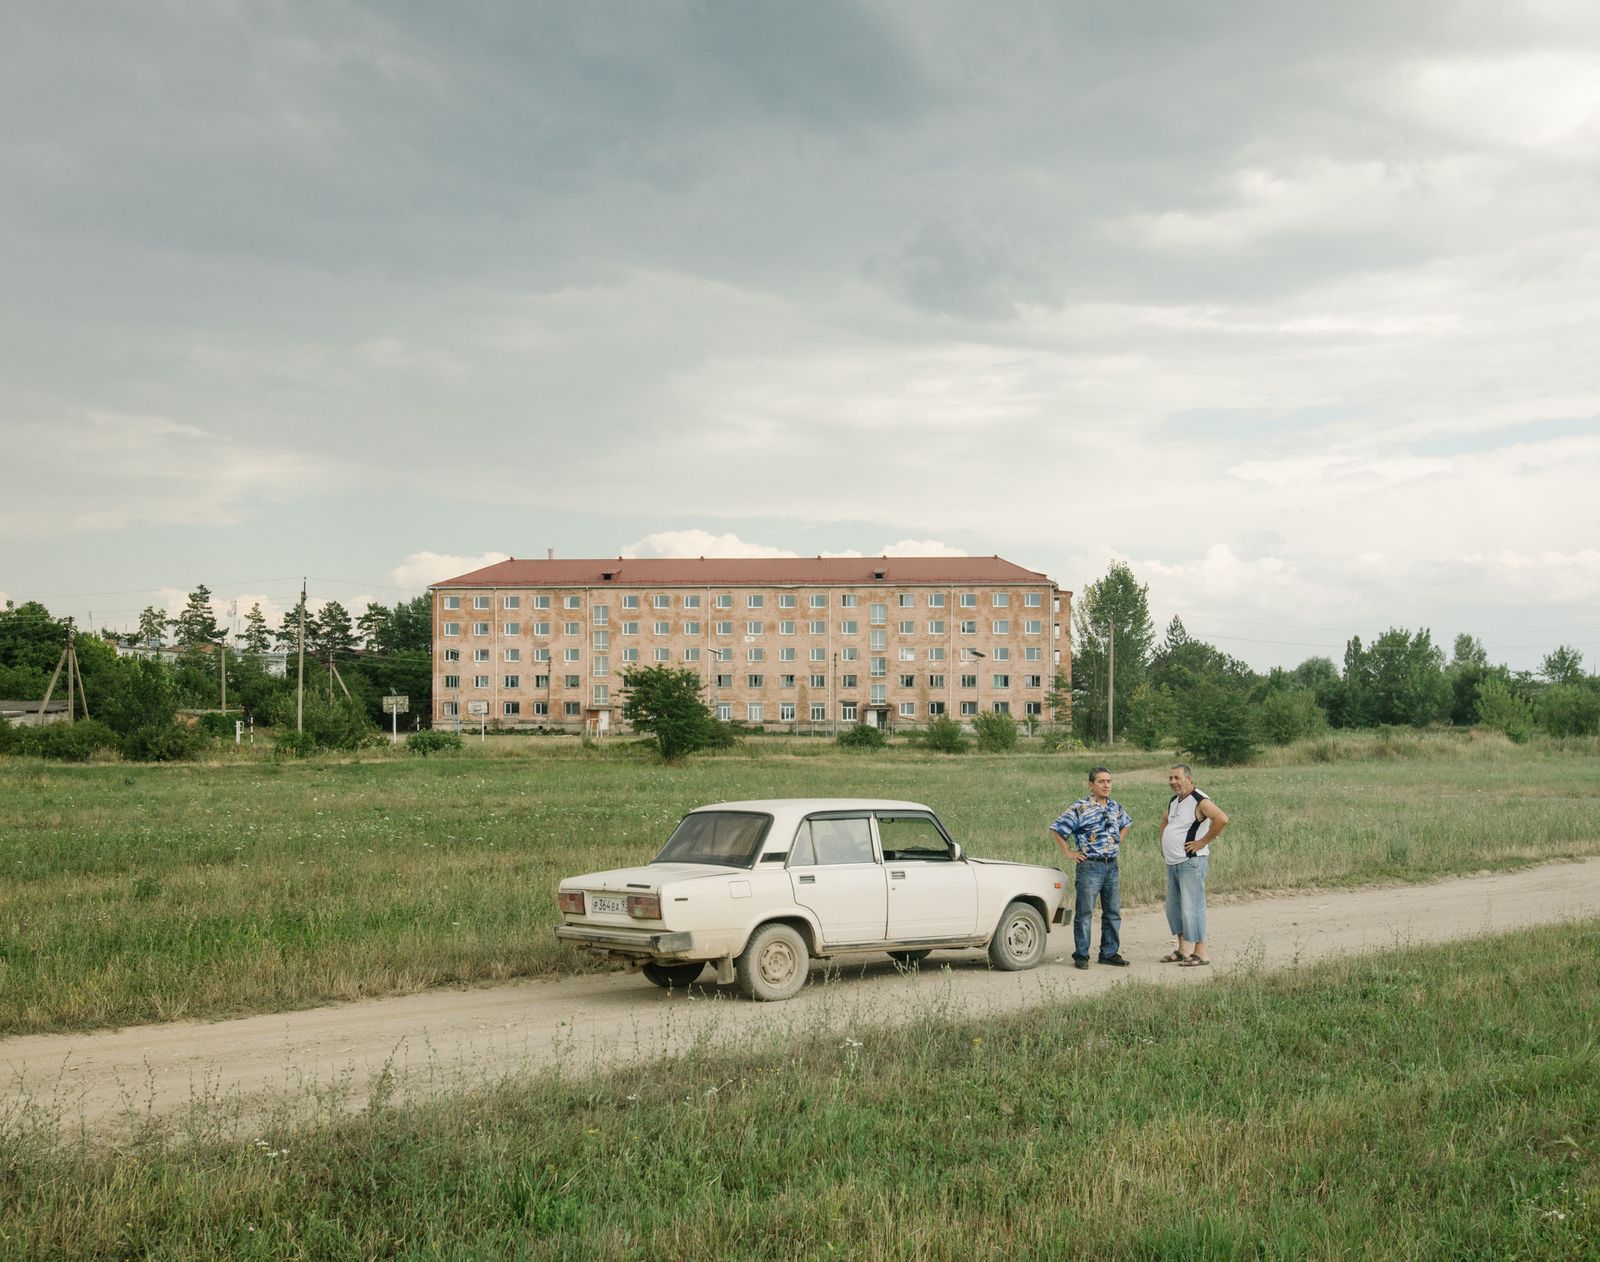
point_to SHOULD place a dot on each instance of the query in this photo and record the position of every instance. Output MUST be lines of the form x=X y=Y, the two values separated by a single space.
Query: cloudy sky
x=1294 y=307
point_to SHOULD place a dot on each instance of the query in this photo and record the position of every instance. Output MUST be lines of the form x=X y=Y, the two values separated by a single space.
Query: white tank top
x=1184 y=822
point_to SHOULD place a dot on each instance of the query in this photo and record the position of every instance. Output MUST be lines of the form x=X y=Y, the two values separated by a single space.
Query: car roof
x=805 y=806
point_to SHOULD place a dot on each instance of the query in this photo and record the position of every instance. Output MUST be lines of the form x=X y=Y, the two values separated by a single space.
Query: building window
x=787 y=600
x=661 y=601
x=819 y=681
x=936 y=654
x=847 y=711
x=723 y=628
x=849 y=627
x=786 y=681
x=452 y=709
x=541 y=681
x=725 y=711
x=572 y=628
x=602 y=694
x=786 y=712
x=849 y=653
x=541 y=602
x=1002 y=626
x=541 y=655
x=691 y=655
x=754 y=601
x=935 y=708
x=600 y=615
x=908 y=600
x=630 y=602
x=908 y=681
x=1033 y=681
x=630 y=655
x=907 y=655
x=756 y=712
x=878 y=615
x=541 y=709
x=878 y=639
x=935 y=600
x=1002 y=681
x=849 y=600
x=787 y=653
x=755 y=628
x=511 y=709
x=541 y=630
x=755 y=681
x=691 y=628
x=818 y=601
x=819 y=713
x=571 y=655
x=724 y=681
x=969 y=627
x=480 y=681
x=691 y=602
x=968 y=708
x=936 y=681
x=1033 y=600
x=907 y=628
x=512 y=629
x=480 y=602
x=452 y=602
x=969 y=600
x=571 y=602
x=480 y=655
x=602 y=640
x=572 y=681
x=1032 y=626
x=601 y=665
x=1033 y=709
x=878 y=667
x=572 y=709
x=480 y=628
x=969 y=681
x=661 y=654
x=512 y=682
x=452 y=655
x=1001 y=599
x=908 y=709
x=936 y=627
x=721 y=655
x=755 y=655
x=1002 y=707
x=1034 y=654
x=786 y=628
x=848 y=681
x=818 y=628
x=1002 y=654
x=452 y=681
x=512 y=602
x=630 y=628
x=724 y=602
x=661 y=628
x=880 y=694
x=819 y=655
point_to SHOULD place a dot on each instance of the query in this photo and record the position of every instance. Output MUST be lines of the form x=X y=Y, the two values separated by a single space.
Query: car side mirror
x=955 y=852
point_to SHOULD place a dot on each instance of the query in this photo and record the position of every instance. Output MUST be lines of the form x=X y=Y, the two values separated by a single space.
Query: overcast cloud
x=1294 y=307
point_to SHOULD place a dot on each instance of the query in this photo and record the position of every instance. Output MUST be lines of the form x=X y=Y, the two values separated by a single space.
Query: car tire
x=773 y=964
x=906 y=959
x=1019 y=939
x=674 y=976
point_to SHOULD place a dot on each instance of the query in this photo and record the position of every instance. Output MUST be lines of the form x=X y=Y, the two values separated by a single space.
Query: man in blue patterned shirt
x=1091 y=832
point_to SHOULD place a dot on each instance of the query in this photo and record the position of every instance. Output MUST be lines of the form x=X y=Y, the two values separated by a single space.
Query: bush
x=863 y=736
x=665 y=702
x=997 y=732
x=1289 y=715
x=1570 y=710
x=944 y=736
x=1215 y=727
x=64 y=742
x=428 y=741
x=1503 y=711
x=216 y=723
x=1061 y=741
x=295 y=744
x=163 y=742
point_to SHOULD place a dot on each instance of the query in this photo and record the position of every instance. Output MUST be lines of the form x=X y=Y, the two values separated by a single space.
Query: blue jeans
x=1186 y=898
x=1099 y=878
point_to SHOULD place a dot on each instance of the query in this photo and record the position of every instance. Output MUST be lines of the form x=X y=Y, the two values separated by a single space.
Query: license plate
x=604 y=903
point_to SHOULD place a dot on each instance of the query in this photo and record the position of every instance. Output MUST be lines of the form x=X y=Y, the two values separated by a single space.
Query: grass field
x=1428 y=1103
x=140 y=893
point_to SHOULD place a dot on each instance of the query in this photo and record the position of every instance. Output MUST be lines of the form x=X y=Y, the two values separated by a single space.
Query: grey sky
x=1294 y=307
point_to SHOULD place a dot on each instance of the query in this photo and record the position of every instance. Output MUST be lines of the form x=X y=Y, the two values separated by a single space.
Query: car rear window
x=730 y=838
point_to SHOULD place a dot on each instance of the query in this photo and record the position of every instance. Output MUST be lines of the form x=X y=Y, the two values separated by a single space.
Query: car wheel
x=905 y=959
x=774 y=963
x=1018 y=941
x=674 y=976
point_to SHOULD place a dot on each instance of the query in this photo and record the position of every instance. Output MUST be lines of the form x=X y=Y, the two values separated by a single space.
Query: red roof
x=748 y=572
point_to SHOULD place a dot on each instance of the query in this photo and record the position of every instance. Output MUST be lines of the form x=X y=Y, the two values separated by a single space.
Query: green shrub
x=216 y=723
x=1289 y=715
x=1503 y=711
x=1570 y=710
x=862 y=736
x=1215 y=727
x=431 y=741
x=1061 y=741
x=996 y=732
x=295 y=744
x=944 y=736
x=65 y=742
x=162 y=742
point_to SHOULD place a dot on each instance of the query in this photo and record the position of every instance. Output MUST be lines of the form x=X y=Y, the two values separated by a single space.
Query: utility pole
x=222 y=647
x=300 y=673
x=69 y=663
x=1111 y=684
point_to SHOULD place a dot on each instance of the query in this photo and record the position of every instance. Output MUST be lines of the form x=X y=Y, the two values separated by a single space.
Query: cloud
x=921 y=548
x=420 y=569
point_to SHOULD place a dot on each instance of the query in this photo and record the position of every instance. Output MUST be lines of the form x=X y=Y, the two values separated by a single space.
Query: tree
x=196 y=624
x=372 y=626
x=1503 y=710
x=1569 y=710
x=996 y=732
x=1406 y=676
x=152 y=626
x=287 y=636
x=1214 y=725
x=257 y=639
x=1117 y=607
x=1290 y=714
x=1150 y=715
x=1469 y=667
x=329 y=633
x=1563 y=665
x=665 y=701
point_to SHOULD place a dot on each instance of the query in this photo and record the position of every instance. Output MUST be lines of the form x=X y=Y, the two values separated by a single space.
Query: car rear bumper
x=637 y=943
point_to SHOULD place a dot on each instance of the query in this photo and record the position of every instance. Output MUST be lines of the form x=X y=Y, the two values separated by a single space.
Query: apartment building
x=786 y=643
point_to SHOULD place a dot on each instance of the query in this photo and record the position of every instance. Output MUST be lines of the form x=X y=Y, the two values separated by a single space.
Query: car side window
x=912 y=837
x=832 y=841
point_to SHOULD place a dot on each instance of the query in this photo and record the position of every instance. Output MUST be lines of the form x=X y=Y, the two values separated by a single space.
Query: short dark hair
x=1098 y=772
x=1184 y=767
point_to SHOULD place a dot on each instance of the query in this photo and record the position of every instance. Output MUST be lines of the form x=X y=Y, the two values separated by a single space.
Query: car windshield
x=731 y=838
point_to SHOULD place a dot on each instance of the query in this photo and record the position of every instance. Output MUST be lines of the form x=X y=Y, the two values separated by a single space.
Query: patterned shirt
x=1094 y=829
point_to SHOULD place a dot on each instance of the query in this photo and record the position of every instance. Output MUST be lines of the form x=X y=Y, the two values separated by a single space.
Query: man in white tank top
x=1192 y=822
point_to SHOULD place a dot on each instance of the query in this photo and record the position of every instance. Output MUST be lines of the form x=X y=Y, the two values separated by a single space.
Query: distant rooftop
x=746 y=572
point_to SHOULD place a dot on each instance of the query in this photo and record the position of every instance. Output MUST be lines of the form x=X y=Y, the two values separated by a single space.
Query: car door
x=933 y=892
x=834 y=870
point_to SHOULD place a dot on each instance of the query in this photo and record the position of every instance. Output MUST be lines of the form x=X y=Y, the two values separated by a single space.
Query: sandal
x=1194 y=961
x=1173 y=957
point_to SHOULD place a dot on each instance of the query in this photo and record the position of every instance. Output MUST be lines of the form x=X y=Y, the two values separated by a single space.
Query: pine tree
x=329 y=632
x=152 y=626
x=257 y=639
x=196 y=625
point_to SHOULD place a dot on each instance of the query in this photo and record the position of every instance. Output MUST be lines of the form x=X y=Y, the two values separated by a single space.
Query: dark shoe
x=1194 y=961
x=1114 y=959
x=1079 y=961
x=1173 y=957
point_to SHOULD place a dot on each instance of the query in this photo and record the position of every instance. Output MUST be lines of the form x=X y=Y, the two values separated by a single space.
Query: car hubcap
x=777 y=963
x=1020 y=938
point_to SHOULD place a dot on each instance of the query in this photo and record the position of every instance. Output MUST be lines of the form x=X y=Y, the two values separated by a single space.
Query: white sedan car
x=759 y=889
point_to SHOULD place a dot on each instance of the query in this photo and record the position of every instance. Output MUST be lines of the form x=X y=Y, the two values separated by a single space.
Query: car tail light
x=644 y=906
x=570 y=902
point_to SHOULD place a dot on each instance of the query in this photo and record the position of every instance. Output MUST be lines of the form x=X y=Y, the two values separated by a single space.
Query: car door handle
x=808 y=880
x=896 y=876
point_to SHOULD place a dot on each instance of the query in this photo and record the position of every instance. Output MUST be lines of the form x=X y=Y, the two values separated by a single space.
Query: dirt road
x=301 y=1062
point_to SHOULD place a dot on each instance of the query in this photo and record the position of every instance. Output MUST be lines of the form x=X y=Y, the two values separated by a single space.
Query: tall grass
x=137 y=893
x=1424 y=1104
